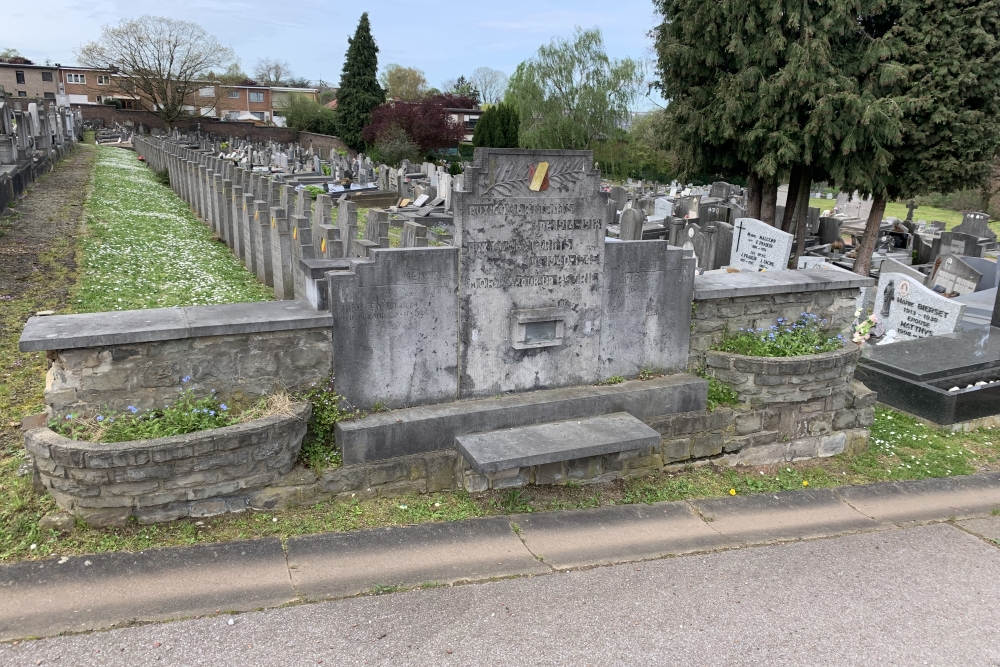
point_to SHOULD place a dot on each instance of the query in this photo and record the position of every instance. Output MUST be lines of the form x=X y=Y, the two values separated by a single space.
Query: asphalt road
x=925 y=595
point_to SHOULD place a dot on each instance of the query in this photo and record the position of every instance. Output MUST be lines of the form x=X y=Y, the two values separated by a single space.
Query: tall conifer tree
x=359 y=91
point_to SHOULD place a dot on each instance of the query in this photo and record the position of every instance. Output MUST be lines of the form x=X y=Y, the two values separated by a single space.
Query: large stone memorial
x=757 y=246
x=909 y=309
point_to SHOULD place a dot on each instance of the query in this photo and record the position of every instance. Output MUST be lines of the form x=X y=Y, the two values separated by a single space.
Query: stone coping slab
x=429 y=428
x=94 y=592
x=65 y=332
x=746 y=283
x=342 y=564
x=617 y=534
x=555 y=441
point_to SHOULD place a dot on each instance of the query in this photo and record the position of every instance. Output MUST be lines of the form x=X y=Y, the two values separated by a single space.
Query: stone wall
x=197 y=474
x=712 y=316
x=324 y=141
x=108 y=116
x=109 y=361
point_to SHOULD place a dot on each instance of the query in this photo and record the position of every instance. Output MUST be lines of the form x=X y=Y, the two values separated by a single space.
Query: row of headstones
x=39 y=125
x=273 y=228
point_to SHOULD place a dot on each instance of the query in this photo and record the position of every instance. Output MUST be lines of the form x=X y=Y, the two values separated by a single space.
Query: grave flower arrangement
x=864 y=329
x=188 y=414
x=806 y=335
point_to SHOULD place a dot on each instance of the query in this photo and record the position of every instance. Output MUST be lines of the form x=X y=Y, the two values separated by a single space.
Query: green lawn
x=901 y=448
x=898 y=210
x=144 y=248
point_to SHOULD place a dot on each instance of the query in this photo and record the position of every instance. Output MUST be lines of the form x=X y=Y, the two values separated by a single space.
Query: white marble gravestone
x=757 y=246
x=904 y=306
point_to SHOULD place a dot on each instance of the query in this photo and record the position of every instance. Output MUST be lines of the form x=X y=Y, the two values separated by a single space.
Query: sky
x=444 y=39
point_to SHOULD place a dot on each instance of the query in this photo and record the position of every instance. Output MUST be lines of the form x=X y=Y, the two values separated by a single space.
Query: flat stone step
x=555 y=441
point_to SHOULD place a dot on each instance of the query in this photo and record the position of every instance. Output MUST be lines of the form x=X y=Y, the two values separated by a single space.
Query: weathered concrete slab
x=724 y=285
x=342 y=564
x=923 y=500
x=618 y=534
x=98 y=591
x=556 y=441
x=767 y=517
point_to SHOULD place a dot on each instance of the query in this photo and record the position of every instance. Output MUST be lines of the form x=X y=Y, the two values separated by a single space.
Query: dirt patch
x=49 y=213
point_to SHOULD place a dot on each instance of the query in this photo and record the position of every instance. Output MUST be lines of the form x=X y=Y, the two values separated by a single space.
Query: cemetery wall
x=196 y=474
x=325 y=141
x=109 y=116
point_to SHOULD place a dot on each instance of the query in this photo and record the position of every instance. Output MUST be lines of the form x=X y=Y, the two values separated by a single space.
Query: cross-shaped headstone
x=910 y=206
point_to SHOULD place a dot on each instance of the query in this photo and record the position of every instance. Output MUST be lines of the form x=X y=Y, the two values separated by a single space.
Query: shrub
x=319 y=448
x=806 y=335
x=396 y=145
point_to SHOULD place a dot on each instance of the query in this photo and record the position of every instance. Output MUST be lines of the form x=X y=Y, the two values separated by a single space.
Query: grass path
x=144 y=248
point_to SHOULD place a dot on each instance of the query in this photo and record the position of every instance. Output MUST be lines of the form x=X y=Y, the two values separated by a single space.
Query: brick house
x=30 y=80
x=87 y=85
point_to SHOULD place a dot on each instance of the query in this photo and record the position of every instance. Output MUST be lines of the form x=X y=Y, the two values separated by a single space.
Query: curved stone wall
x=196 y=474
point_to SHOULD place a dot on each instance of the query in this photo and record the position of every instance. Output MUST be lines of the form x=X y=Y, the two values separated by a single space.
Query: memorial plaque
x=663 y=207
x=909 y=309
x=757 y=246
x=530 y=226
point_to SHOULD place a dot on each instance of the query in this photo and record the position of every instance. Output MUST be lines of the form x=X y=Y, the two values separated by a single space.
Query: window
x=256 y=96
x=234 y=115
x=103 y=80
x=46 y=76
x=76 y=78
x=21 y=93
x=129 y=104
x=206 y=92
x=20 y=78
x=50 y=96
x=235 y=94
x=259 y=115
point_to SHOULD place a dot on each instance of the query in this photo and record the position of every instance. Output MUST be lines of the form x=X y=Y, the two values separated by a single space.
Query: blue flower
x=132 y=409
x=111 y=420
x=100 y=418
x=223 y=407
x=211 y=412
x=186 y=378
x=69 y=416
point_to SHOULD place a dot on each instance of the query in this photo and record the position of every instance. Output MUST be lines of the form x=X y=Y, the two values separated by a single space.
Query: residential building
x=467 y=118
x=280 y=96
x=244 y=102
x=30 y=80
x=88 y=85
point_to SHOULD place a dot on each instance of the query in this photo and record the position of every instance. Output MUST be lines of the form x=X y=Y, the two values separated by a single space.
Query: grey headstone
x=631 y=225
x=953 y=276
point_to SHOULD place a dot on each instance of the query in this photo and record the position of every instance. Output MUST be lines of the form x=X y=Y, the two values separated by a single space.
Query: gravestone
x=630 y=228
x=414 y=235
x=976 y=224
x=904 y=306
x=395 y=326
x=618 y=195
x=810 y=262
x=687 y=207
x=959 y=243
x=531 y=227
x=829 y=230
x=953 y=277
x=663 y=207
x=910 y=207
x=757 y=246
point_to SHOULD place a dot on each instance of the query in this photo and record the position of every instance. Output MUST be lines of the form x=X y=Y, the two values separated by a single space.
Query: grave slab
x=757 y=246
x=504 y=449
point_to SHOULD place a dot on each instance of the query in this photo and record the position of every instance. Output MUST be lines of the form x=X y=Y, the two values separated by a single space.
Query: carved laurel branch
x=562 y=175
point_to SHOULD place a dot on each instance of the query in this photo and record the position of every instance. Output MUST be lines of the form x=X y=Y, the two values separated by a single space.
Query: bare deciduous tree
x=272 y=72
x=159 y=62
x=491 y=83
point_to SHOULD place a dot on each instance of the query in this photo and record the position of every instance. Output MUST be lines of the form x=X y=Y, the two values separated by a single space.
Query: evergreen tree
x=359 y=91
x=498 y=127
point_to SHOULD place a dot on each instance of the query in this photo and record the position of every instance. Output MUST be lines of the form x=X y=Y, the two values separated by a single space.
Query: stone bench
x=495 y=451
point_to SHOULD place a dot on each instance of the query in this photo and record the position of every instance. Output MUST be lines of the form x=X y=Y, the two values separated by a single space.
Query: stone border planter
x=768 y=380
x=196 y=474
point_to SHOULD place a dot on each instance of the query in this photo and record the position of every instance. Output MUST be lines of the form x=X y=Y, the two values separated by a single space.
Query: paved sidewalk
x=72 y=594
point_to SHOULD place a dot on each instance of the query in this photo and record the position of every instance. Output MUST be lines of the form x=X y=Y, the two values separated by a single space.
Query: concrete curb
x=82 y=593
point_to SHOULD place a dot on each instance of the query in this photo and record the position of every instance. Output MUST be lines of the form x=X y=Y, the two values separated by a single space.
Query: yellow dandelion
x=805 y=482
x=732 y=492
